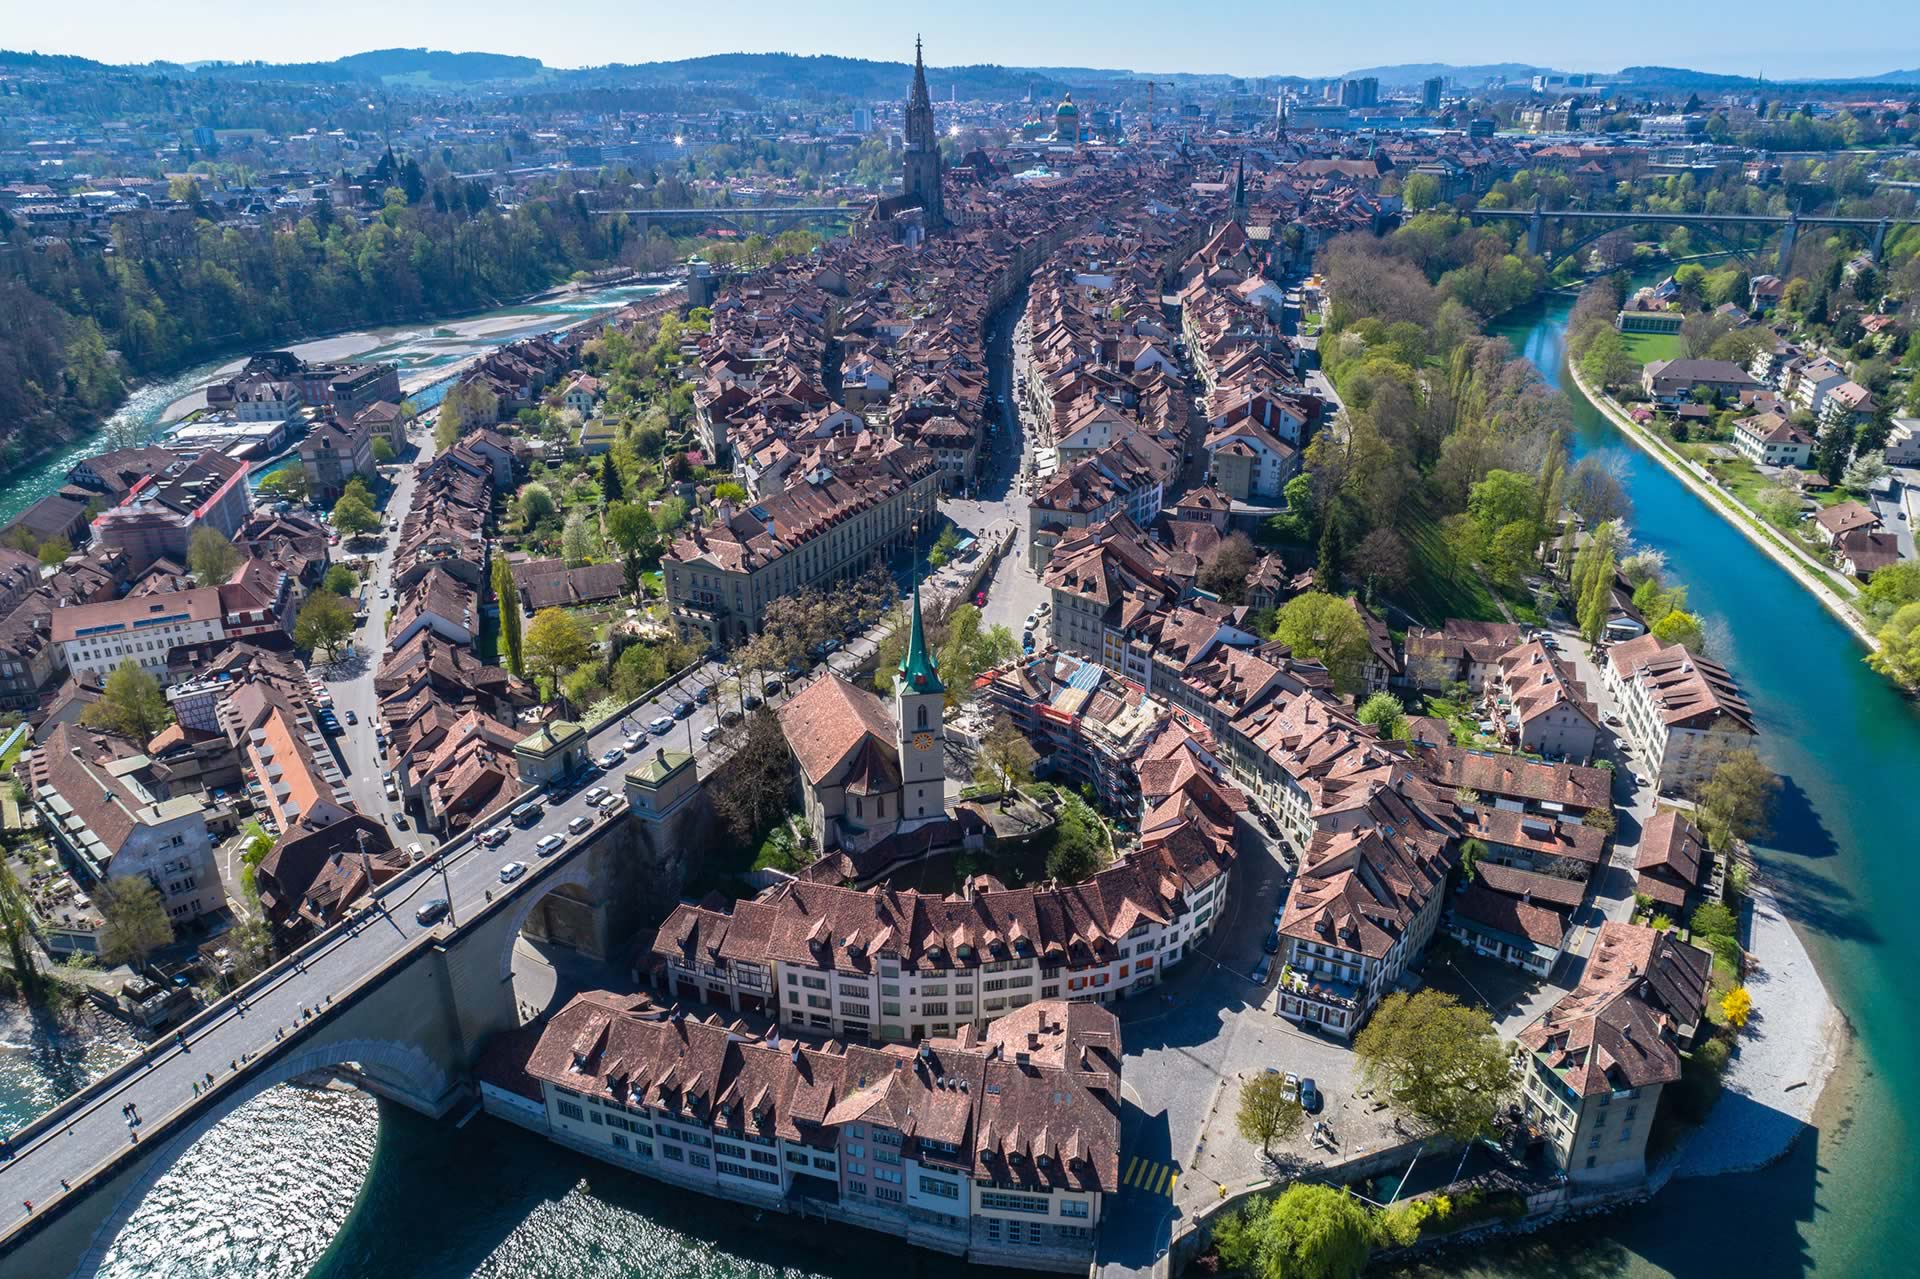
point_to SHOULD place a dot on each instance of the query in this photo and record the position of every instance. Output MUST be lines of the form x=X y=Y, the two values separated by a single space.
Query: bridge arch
x=402 y=1064
x=1750 y=255
x=577 y=875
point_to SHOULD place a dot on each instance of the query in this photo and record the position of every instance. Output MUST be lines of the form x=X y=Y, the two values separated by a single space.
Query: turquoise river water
x=330 y=1185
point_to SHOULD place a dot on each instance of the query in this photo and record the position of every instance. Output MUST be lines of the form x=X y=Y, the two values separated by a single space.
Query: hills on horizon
x=832 y=74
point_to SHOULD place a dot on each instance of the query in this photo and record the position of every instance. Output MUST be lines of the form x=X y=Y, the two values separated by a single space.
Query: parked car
x=579 y=824
x=1262 y=970
x=660 y=725
x=512 y=871
x=751 y=701
x=1290 y=1086
x=431 y=912
x=611 y=757
x=393 y=792
x=710 y=732
x=352 y=718
x=704 y=696
x=493 y=838
x=1310 y=1098
x=415 y=852
x=729 y=718
x=634 y=741
x=598 y=795
x=683 y=711
x=1271 y=942
x=774 y=685
x=549 y=845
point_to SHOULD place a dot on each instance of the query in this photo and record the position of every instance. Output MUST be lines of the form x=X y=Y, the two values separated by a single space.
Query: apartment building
x=164 y=508
x=96 y=638
x=1684 y=714
x=1002 y=1148
x=109 y=819
x=1596 y=1061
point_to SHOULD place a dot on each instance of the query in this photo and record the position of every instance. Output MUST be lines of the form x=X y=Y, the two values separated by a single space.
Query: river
x=332 y=1185
x=425 y=353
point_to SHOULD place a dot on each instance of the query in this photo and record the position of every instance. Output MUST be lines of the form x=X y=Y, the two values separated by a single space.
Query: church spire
x=917 y=668
x=920 y=97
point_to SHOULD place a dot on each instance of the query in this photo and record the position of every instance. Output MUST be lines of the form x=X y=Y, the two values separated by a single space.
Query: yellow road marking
x=1132 y=1167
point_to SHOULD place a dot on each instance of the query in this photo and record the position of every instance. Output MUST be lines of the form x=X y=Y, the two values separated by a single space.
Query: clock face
x=923 y=741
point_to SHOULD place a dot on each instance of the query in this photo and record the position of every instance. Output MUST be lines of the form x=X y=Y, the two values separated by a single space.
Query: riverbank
x=1735 y=513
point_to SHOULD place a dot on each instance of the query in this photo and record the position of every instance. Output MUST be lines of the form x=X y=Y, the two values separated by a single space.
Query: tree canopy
x=554 y=645
x=1437 y=1061
x=131 y=704
x=323 y=622
x=1325 y=628
x=211 y=556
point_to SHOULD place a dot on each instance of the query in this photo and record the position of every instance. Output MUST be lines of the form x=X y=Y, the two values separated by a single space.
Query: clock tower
x=918 y=698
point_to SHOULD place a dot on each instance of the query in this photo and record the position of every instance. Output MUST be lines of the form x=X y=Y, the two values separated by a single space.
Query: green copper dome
x=917 y=669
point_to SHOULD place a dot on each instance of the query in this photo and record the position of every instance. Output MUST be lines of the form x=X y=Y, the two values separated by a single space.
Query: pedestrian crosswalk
x=1150 y=1175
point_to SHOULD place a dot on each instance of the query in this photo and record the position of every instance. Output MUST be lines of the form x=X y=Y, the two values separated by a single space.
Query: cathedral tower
x=920 y=164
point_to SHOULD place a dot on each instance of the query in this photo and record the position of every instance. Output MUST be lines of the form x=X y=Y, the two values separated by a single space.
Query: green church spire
x=917 y=669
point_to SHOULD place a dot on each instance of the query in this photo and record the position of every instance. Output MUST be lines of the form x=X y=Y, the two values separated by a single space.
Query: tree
x=16 y=924
x=1325 y=628
x=1594 y=492
x=289 y=484
x=1382 y=561
x=1006 y=758
x=324 y=620
x=1865 y=471
x=1384 y=712
x=755 y=790
x=1307 y=1232
x=507 y=596
x=1079 y=845
x=1593 y=573
x=611 y=487
x=134 y=920
x=1891 y=589
x=576 y=542
x=1437 y=1061
x=340 y=580
x=1679 y=627
x=1266 y=1111
x=943 y=547
x=554 y=645
x=536 y=504
x=352 y=515
x=383 y=449
x=1642 y=567
x=1737 y=1006
x=1227 y=569
x=131 y=704
x=55 y=550
x=1735 y=800
x=1331 y=556
x=1898 y=657
x=729 y=491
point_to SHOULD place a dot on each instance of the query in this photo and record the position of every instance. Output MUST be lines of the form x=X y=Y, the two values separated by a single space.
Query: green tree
x=1892 y=588
x=1079 y=845
x=1384 y=712
x=1682 y=628
x=339 y=579
x=134 y=921
x=1330 y=559
x=1898 y=657
x=943 y=547
x=1734 y=801
x=383 y=449
x=729 y=491
x=576 y=541
x=536 y=504
x=131 y=704
x=611 y=487
x=1267 y=1112
x=1309 y=1231
x=353 y=515
x=507 y=596
x=16 y=924
x=1436 y=1061
x=554 y=645
x=288 y=484
x=1420 y=191
x=1325 y=628
x=1006 y=758
x=54 y=551
x=323 y=622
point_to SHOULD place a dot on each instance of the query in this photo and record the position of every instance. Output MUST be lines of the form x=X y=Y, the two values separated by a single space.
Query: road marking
x=1150 y=1176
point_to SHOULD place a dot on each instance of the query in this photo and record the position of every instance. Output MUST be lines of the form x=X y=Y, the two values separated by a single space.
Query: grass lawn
x=1438 y=593
x=1647 y=347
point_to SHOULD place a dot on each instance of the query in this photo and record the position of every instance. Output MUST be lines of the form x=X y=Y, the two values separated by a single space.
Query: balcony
x=1319 y=988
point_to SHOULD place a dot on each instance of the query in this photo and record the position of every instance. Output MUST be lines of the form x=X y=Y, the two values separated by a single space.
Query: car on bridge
x=598 y=796
x=550 y=844
x=611 y=757
x=683 y=711
x=580 y=824
x=512 y=871
x=431 y=912
x=660 y=725
x=493 y=838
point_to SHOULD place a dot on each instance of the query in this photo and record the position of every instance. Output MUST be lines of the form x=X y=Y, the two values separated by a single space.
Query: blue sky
x=1780 y=39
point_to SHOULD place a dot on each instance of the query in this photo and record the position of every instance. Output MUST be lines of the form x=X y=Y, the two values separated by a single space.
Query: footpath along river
x=327 y=1184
